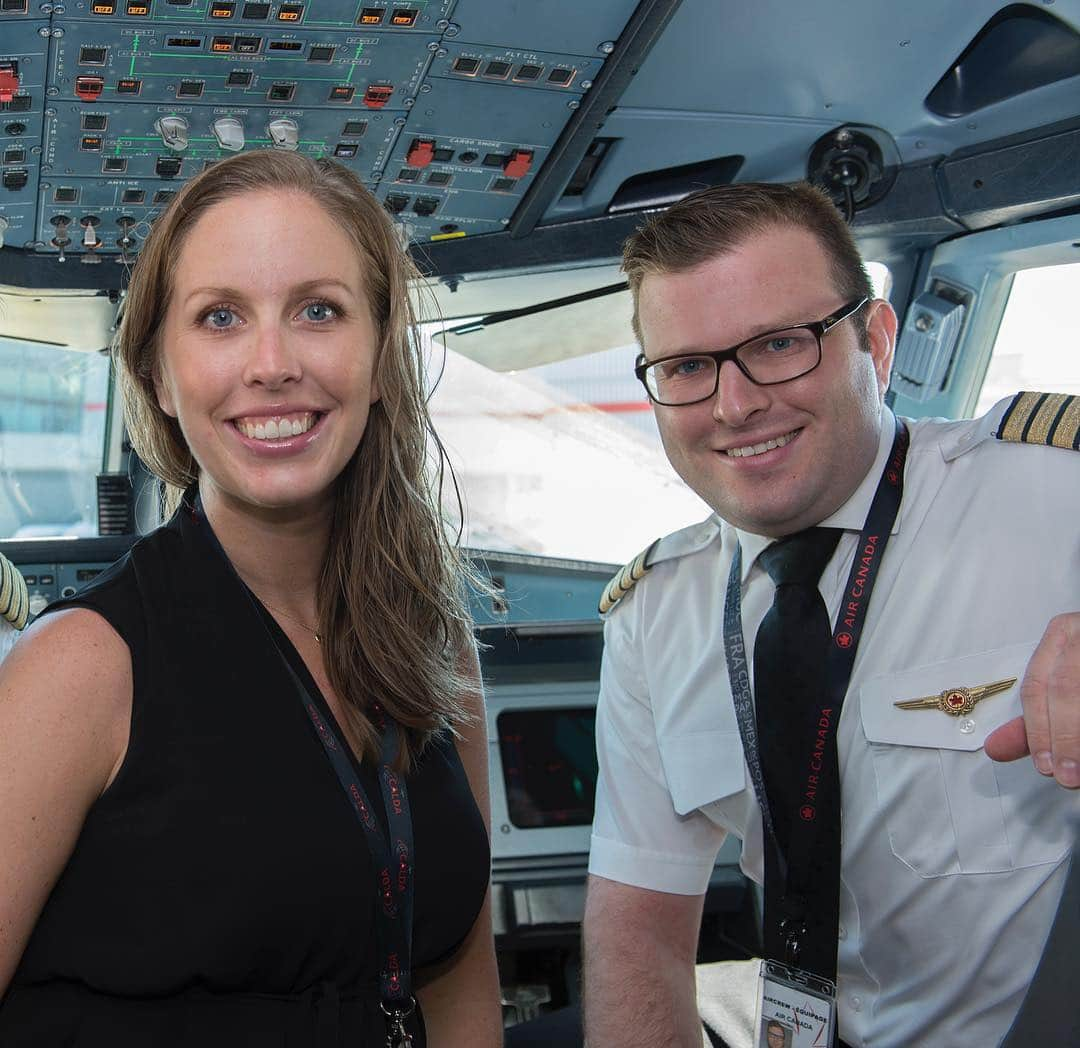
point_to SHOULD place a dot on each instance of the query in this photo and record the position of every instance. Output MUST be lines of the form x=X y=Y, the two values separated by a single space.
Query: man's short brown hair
x=717 y=220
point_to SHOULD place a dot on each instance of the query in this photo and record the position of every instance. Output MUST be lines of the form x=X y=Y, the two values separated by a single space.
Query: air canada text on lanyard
x=805 y=829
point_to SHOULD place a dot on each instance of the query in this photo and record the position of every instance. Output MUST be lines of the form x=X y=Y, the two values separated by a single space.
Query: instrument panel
x=445 y=108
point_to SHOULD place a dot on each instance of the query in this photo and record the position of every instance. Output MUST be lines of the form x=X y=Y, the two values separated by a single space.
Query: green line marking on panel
x=134 y=52
x=355 y=59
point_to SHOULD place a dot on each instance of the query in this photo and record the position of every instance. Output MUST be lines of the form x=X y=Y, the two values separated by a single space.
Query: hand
x=1050 y=728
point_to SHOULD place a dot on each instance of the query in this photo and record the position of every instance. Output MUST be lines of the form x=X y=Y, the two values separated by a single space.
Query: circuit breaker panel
x=447 y=109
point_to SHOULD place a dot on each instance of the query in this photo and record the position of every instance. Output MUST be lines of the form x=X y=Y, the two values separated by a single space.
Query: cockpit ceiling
x=484 y=124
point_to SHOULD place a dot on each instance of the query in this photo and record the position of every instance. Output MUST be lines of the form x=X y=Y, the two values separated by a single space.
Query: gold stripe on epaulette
x=14 y=598
x=625 y=580
x=1052 y=419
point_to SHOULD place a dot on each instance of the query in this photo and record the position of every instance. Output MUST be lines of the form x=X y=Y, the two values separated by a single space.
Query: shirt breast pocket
x=949 y=809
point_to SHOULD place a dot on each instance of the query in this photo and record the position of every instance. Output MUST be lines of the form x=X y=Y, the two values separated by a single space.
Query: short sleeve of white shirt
x=637 y=837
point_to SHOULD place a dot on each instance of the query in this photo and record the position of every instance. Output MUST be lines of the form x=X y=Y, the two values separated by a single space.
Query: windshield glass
x=563 y=459
x=1036 y=342
x=52 y=438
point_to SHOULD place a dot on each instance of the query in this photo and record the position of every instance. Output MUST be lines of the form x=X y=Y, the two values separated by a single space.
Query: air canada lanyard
x=841 y=659
x=392 y=858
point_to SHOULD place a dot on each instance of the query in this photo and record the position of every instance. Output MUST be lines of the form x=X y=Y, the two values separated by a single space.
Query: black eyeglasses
x=766 y=360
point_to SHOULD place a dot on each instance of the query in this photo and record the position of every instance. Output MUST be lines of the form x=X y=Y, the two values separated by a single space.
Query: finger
x=1063 y=690
x=1008 y=742
x=1035 y=697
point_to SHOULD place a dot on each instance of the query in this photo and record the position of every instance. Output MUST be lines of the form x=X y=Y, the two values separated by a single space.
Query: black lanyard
x=393 y=864
x=794 y=867
x=393 y=858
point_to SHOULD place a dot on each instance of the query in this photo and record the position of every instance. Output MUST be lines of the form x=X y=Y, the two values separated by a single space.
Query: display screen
x=549 y=766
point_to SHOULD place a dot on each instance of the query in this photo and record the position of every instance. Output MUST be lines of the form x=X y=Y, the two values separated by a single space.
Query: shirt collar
x=851 y=516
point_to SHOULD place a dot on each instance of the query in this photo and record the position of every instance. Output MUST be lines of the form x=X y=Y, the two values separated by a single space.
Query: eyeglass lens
x=776 y=357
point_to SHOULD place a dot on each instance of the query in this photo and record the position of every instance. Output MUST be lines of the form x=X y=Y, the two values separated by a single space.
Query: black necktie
x=790 y=655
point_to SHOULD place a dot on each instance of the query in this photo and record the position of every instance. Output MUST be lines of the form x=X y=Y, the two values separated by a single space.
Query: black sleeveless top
x=221 y=892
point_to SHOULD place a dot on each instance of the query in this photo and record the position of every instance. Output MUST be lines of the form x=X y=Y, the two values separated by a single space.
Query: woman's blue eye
x=780 y=343
x=221 y=318
x=318 y=312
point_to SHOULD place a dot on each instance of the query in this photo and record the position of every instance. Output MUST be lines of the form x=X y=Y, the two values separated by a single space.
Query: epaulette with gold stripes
x=625 y=580
x=1042 y=418
x=14 y=599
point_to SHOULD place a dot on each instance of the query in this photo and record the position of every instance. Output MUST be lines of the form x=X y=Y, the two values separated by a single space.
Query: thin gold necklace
x=300 y=622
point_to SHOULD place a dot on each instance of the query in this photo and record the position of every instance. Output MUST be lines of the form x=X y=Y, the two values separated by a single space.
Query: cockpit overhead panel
x=446 y=110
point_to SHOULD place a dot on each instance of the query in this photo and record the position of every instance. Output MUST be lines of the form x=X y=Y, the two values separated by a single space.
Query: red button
x=375 y=97
x=518 y=163
x=9 y=84
x=420 y=154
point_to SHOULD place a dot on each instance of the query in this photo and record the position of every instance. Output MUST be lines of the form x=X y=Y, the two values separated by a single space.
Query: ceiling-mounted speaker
x=855 y=165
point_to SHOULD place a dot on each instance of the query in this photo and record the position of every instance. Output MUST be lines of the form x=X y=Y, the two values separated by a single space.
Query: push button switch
x=518 y=163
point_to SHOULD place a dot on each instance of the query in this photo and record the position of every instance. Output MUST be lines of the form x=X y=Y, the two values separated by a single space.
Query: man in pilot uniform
x=932 y=911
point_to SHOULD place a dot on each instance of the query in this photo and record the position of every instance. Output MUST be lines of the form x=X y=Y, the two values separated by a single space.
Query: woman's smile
x=268 y=353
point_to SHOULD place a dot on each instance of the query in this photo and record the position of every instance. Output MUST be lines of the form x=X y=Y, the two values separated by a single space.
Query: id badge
x=796 y=1009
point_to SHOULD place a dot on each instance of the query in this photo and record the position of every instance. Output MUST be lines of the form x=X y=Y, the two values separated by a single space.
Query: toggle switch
x=90 y=238
x=229 y=133
x=125 y=240
x=60 y=223
x=173 y=131
x=284 y=133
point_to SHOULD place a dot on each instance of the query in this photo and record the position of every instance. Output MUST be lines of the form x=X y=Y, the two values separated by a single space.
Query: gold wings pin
x=957 y=701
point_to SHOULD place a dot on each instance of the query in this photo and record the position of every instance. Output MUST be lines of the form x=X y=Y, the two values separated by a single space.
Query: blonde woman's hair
x=392 y=596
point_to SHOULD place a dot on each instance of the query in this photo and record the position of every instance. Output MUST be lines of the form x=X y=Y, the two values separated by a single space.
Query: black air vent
x=1019 y=49
x=660 y=188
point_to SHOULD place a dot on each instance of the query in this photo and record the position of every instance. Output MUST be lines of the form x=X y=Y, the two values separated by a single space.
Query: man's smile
x=748 y=450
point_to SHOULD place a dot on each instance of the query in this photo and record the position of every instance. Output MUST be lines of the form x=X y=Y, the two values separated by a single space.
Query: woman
x=241 y=775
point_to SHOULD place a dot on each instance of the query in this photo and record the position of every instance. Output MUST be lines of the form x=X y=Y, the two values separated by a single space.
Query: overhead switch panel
x=446 y=109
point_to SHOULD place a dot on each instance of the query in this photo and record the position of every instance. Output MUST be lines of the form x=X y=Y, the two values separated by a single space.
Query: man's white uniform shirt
x=952 y=864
